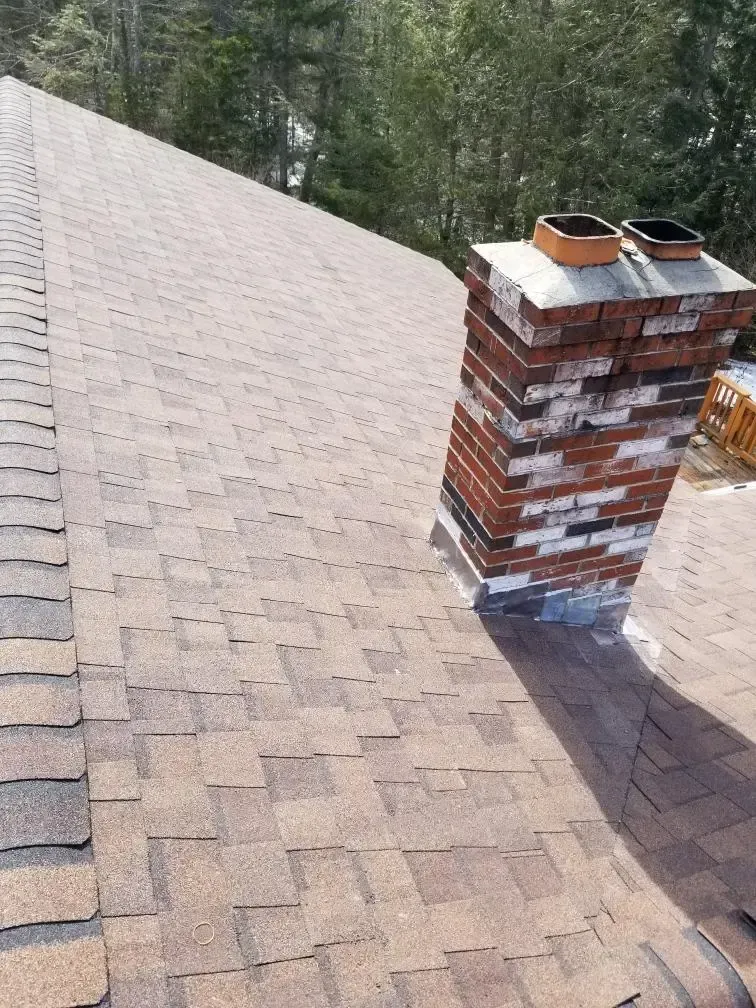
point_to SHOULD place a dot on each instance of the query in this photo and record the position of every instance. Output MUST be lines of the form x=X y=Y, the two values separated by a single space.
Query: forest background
x=437 y=123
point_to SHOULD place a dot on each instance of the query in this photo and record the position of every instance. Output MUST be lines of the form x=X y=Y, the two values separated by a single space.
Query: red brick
x=537 y=563
x=636 y=344
x=653 y=514
x=669 y=305
x=621 y=434
x=468 y=460
x=656 y=411
x=478 y=328
x=558 y=316
x=610 y=468
x=630 y=306
x=647 y=362
x=484 y=440
x=703 y=355
x=655 y=503
x=584 y=553
x=725 y=319
x=619 y=508
x=564 y=442
x=628 y=581
x=598 y=453
x=654 y=487
x=580 y=486
x=610 y=572
x=492 y=403
x=583 y=578
x=667 y=472
x=514 y=496
x=746 y=299
x=480 y=289
x=474 y=364
x=627 y=479
x=591 y=332
x=632 y=519
x=559 y=570
x=498 y=529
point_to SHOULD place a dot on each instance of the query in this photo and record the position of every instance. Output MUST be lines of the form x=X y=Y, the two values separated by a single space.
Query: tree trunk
x=491 y=208
x=328 y=93
x=311 y=161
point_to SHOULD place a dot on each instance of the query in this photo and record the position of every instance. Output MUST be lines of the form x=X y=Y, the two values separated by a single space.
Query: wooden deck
x=708 y=467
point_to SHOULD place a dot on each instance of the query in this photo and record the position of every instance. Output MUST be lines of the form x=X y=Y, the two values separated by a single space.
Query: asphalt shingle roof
x=311 y=777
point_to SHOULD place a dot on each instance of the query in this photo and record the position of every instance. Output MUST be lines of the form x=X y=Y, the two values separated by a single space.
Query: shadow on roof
x=671 y=784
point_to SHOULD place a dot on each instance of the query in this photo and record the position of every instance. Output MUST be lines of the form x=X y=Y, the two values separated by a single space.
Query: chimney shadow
x=675 y=783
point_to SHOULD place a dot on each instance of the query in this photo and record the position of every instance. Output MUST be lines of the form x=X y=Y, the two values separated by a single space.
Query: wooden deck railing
x=728 y=415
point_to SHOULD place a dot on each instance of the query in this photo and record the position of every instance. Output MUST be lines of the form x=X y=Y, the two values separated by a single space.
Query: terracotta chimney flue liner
x=661 y=238
x=577 y=239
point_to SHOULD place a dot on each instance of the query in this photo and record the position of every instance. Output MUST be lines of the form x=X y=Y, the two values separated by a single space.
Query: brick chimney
x=580 y=389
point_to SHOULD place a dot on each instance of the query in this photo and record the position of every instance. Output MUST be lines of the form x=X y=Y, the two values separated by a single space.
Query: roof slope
x=315 y=778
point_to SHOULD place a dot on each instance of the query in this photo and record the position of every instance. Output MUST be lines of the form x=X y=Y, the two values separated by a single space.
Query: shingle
x=357 y=971
x=67 y=972
x=177 y=812
x=31 y=512
x=410 y=943
x=215 y=990
x=38 y=701
x=33 y=580
x=307 y=823
x=28 y=483
x=43 y=812
x=229 y=759
x=35 y=618
x=32 y=544
x=37 y=657
x=41 y=753
x=259 y=875
x=121 y=858
x=104 y=700
x=136 y=967
x=37 y=893
x=428 y=988
x=273 y=934
x=37 y=460
x=295 y=984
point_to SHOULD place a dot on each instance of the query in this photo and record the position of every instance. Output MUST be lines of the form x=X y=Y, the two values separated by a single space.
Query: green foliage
x=69 y=59
x=435 y=122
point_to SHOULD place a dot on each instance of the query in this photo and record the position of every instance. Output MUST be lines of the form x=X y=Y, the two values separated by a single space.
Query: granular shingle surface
x=315 y=778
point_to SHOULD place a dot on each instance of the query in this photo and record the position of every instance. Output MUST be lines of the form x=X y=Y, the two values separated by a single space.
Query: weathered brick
x=707 y=302
x=725 y=319
x=574 y=422
x=660 y=324
x=534 y=463
x=639 y=396
x=583 y=369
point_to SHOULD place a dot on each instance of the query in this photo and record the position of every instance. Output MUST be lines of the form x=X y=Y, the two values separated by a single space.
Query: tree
x=69 y=60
